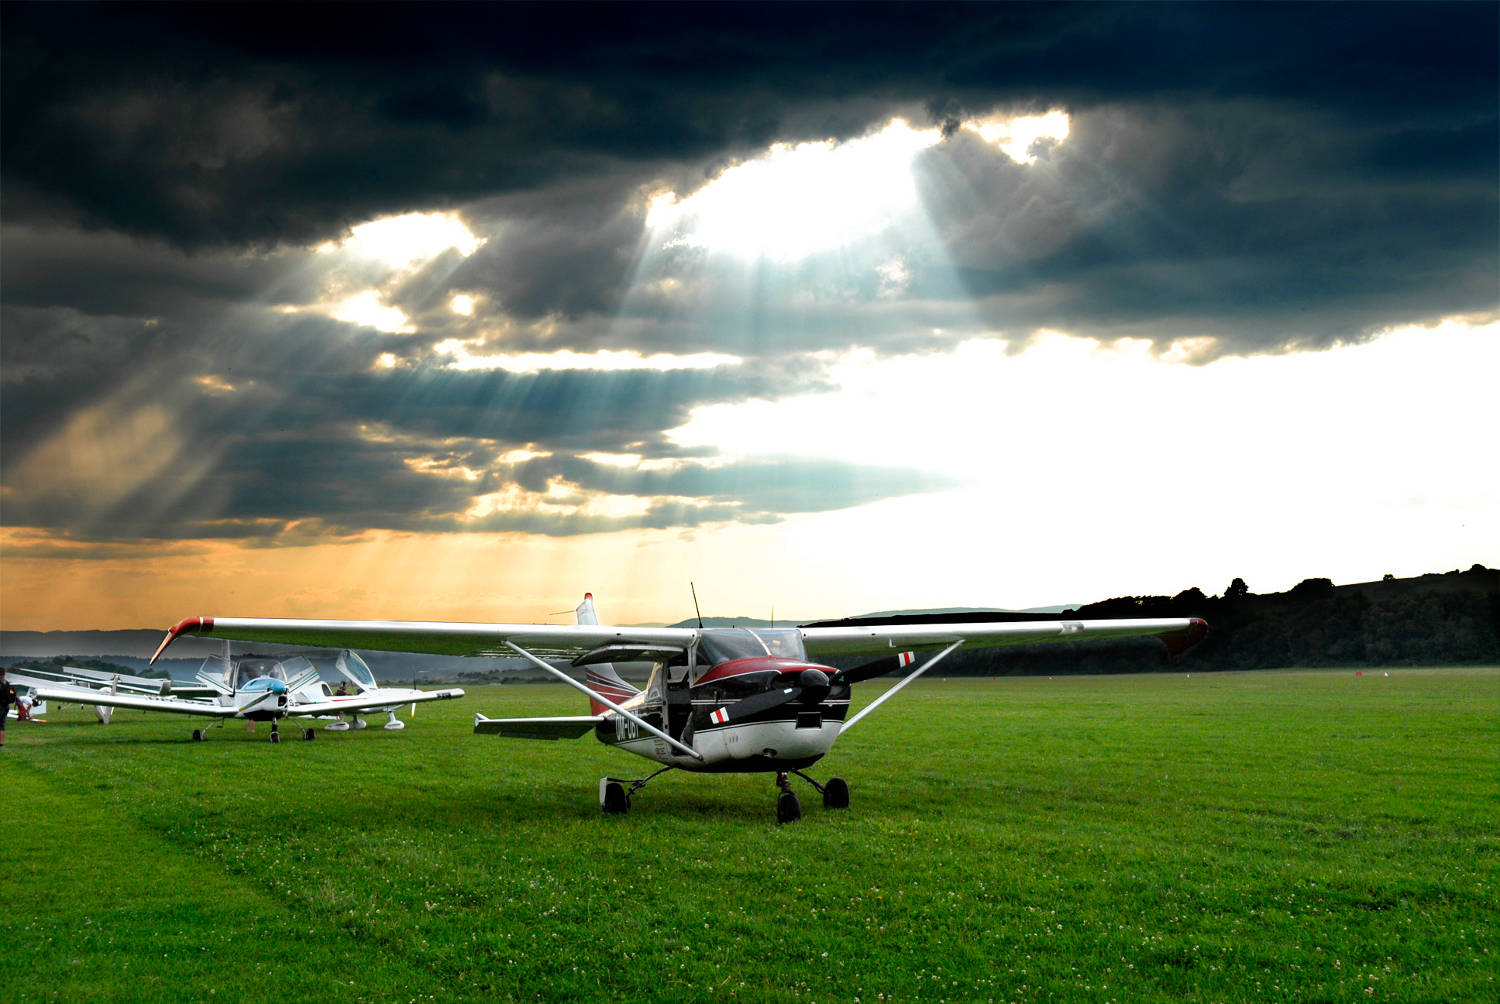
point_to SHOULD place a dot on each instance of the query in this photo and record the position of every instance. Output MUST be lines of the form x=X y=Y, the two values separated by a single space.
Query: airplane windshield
x=722 y=645
x=254 y=669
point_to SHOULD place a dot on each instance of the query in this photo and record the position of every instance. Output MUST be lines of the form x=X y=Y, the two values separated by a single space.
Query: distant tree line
x=1430 y=620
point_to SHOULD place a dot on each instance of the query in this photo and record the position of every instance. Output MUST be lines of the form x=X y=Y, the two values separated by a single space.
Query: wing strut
x=565 y=678
x=892 y=692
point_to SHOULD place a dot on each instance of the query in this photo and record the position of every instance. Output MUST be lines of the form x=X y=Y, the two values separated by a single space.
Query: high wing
x=450 y=638
x=434 y=637
x=868 y=638
x=1179 y=633
x=380 y=699
x=69 y=694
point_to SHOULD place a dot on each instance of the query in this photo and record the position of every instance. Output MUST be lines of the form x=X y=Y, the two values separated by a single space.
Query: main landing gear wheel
x=197 y=735
x=612 y=797
x=788 y=809
x=836 y=794
x=309 y=734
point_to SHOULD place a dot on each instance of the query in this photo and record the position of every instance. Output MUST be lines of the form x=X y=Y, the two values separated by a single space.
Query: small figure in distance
x=8 y=696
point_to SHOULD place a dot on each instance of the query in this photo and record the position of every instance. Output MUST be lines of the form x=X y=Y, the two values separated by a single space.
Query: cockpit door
x=354 y=669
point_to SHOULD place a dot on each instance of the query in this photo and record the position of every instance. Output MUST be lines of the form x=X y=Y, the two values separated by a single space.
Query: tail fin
x=602 y=678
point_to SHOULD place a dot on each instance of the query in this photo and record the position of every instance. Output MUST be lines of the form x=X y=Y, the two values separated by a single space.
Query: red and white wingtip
x=1180 y=641
x=189 y=625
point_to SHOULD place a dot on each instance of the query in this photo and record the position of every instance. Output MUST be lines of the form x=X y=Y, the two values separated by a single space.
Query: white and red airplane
x=725 y=700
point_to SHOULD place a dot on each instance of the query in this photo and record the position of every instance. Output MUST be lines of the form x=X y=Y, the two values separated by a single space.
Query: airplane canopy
x=721 y=645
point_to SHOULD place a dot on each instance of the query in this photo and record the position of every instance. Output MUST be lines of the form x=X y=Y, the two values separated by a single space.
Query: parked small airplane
x=255 y=689
x=717 y=700
x=104 y=680
x=348 y=708
x=112 y=683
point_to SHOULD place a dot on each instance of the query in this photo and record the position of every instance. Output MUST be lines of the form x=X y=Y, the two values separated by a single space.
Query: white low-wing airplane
x=99 y=679
x=718 y=699
x=348 y=708
x=260 y=690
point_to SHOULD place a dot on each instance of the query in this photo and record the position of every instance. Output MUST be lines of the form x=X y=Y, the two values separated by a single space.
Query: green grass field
x=1224 y=837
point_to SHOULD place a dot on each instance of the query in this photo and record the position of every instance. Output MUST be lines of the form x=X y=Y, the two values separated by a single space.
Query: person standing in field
x=8 y=696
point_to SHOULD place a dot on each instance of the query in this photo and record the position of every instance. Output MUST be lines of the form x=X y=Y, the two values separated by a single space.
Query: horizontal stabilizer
x=567 y=727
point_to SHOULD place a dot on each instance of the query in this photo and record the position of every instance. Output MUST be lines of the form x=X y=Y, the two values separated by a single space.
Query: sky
x=459 y=312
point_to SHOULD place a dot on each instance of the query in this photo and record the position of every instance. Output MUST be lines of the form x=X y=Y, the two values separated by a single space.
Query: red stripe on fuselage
x=761 y=664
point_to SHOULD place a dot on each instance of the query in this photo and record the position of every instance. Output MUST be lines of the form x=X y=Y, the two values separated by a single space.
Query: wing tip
x=188 y=625
x=1180 y=641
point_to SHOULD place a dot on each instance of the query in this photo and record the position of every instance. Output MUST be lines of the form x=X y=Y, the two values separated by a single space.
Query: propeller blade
x=765 y=701
x=870 y=670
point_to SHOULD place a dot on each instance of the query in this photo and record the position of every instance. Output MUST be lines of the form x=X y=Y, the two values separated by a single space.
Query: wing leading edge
x=432 y=637
x=456 y=638
x=1179 y=633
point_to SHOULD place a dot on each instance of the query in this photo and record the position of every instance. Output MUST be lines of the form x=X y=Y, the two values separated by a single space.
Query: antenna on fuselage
x=695 y=604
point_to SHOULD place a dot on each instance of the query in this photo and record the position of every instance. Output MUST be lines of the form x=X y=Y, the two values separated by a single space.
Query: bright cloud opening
x=561 y=498
x=1015 y=135
x=401 y=241
x=802 y=199
x=365 y=308
x=566 y=359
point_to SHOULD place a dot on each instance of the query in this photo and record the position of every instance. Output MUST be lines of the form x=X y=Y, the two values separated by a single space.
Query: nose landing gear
x=788 y=810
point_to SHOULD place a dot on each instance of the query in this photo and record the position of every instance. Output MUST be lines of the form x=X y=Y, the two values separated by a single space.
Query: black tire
x=197 y=735
x=788 y=809
x=275 y=737
x=616 y=802
x=309 y=735
x=836 y=794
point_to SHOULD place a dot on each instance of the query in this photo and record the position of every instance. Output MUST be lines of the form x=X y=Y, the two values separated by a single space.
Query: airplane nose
x=277 y=687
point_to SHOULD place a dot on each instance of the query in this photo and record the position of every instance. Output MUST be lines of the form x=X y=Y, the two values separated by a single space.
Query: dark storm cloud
x=1200 y=223
x=245 y=123
x=1273 y=176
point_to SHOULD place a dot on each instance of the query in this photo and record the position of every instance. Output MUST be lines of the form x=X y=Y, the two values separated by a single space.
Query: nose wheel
x=788 y=810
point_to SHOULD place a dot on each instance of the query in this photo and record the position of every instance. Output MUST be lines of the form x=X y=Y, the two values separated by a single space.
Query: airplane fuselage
x=790 y=735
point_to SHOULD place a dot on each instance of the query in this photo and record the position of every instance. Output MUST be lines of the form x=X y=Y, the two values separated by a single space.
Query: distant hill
x=1433 y=619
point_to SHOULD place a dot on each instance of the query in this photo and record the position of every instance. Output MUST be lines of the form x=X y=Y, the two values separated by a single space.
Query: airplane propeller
x=870 y=670
x=811 y=688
